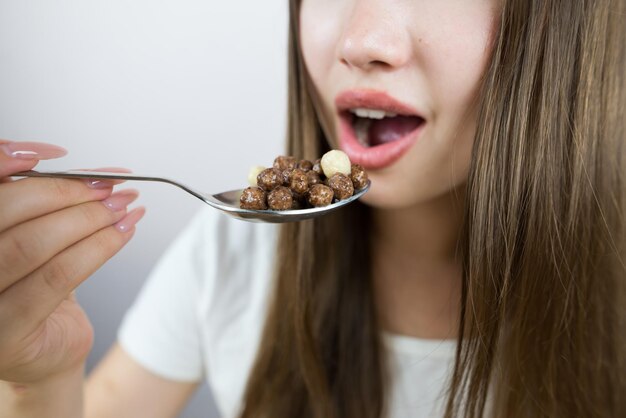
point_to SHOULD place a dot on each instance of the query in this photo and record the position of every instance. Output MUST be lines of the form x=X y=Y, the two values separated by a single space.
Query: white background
x=189 y=89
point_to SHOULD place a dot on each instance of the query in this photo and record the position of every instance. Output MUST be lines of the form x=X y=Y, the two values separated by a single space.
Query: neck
x=416 y=268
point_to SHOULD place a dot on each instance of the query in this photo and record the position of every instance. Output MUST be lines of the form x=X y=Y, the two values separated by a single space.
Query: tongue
x=390 y=129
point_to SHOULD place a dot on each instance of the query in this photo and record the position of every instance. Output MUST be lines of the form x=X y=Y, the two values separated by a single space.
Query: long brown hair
x=543 y=319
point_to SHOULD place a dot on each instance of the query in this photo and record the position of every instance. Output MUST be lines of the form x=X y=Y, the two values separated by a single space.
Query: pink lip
x=379 y=156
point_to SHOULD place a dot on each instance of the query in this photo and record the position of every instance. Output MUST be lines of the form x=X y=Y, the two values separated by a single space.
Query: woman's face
x=395 y=82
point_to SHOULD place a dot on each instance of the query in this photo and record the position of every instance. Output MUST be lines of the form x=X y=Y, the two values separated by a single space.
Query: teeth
x=372 y=113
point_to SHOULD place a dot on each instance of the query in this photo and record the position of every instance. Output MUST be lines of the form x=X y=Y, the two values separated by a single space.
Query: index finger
x=22 y=156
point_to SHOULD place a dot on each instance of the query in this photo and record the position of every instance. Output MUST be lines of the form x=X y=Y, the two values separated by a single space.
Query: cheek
x=319 y=33
x=320 y=30
x=460 y=51
x=455 y=85
x=459 y=56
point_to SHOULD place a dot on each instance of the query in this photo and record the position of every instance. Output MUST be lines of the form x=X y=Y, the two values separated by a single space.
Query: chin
x=387 y=194
x=382 y=202
x=399 y=192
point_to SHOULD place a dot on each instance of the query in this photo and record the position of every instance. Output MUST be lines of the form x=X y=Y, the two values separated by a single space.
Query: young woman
x=482 y=275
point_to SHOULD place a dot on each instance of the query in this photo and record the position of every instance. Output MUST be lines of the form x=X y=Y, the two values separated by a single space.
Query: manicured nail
x=119 y=200
x=32 y=150
x=128 y=222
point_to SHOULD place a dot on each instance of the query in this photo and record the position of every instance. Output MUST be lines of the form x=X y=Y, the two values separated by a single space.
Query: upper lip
x=373 y=99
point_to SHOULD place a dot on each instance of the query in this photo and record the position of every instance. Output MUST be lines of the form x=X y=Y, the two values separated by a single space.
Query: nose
x=374 y=37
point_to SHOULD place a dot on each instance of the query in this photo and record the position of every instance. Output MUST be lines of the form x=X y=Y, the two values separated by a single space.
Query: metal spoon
x=227 y=202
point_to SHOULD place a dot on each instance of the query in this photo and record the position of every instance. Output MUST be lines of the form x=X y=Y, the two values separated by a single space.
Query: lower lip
x=377 y=157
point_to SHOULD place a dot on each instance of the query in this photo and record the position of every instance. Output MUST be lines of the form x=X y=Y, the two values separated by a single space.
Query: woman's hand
x=54 y=233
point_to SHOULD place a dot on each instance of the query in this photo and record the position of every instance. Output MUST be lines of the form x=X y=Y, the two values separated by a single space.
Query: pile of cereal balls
x=293 y=184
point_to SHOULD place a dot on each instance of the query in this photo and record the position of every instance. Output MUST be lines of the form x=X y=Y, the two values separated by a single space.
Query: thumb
x=21 y=156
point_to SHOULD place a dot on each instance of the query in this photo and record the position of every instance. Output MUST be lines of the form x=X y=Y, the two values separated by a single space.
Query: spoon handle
x=90 y=175
x=113 y=176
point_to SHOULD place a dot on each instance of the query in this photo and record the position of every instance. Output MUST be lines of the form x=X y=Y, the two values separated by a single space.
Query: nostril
x=375 y=66
x=368 y=64
x=378 y=63
x=374 y=51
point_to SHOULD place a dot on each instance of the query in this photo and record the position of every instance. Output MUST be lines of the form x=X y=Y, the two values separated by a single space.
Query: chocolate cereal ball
x=253 y=198
x=341 y=185
x=313 y=178
x=305 y=165
x=285 y=163
x=269 y=179
x=298 y=181
x=358 y=176
x=320 y=195
x=286 y=174
x=317 y=167
x=280 y=198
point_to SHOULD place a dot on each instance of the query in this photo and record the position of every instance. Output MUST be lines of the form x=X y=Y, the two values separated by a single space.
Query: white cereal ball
x=252 y=175
x=334 y=162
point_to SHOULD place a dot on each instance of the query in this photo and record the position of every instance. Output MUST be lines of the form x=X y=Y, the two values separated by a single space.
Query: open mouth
x=373 y=127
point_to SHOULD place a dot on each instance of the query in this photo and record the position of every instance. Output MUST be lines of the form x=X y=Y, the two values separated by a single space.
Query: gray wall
x=191 y=89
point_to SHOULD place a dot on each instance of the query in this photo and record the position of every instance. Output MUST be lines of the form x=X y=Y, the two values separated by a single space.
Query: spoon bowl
x=227 y=202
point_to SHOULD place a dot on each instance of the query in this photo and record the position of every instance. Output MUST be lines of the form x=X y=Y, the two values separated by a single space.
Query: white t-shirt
x=202 y=310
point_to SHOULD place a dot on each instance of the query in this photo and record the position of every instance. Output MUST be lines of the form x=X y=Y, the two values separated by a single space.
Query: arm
x=120 y=387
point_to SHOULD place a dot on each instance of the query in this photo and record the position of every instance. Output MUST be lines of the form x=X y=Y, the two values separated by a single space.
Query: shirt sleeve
x=161 y=331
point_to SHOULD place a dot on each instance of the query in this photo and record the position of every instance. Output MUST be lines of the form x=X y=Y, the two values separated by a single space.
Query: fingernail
x=32 y=150
x=119 y=200
x=100 y=184
x=128 y=222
